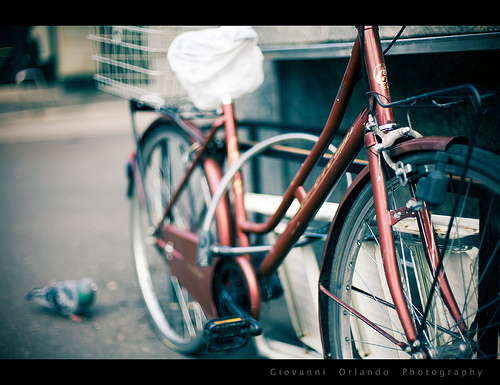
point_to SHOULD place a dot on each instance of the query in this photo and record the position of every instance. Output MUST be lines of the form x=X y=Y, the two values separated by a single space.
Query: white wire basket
x=131 y=62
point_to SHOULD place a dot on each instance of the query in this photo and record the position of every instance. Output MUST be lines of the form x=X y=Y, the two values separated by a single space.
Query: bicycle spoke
x=183 y=305
x=380 y=302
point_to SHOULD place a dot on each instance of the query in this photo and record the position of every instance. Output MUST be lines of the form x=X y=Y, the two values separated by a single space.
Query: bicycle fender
x=433 y=143
x=430 y=143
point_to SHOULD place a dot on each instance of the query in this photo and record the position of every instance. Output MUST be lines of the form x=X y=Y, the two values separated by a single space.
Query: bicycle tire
x=356 y=276
x=177 y=318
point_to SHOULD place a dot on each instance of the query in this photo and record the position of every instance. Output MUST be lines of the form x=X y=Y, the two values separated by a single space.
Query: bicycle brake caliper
x=387 y=140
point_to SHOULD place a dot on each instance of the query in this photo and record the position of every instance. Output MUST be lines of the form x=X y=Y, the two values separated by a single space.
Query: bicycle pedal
x=227 y=333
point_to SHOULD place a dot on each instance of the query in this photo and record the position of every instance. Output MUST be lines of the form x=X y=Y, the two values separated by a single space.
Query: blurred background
x=64 y=146
x=303 y=67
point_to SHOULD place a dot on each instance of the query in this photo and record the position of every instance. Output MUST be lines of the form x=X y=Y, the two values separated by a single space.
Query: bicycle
x=410 y=267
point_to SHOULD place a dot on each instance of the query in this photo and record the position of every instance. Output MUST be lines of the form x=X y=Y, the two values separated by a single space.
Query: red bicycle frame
x=196 y=279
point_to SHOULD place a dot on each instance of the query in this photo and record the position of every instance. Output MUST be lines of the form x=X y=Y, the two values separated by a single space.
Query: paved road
x=64 y=215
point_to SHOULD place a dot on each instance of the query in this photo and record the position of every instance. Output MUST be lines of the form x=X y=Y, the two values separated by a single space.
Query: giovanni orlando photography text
x=378 y=372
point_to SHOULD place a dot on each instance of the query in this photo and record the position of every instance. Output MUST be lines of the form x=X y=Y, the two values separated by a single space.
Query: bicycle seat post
x=233 y=155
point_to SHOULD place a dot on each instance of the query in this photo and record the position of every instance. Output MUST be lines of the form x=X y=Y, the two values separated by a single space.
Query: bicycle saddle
x=215 y=63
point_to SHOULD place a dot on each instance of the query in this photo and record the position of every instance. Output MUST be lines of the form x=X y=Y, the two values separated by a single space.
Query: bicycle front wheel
x=166 y=151
x=470 y=264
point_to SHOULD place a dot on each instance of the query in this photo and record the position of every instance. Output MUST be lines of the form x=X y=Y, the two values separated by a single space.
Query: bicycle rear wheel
x=471 y=265
x=177 y=317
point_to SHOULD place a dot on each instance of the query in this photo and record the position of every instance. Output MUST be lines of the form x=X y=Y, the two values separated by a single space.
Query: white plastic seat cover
x=217 y=62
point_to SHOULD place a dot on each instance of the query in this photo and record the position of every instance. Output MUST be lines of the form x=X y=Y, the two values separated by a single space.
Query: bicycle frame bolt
x=418 y=356
x=405 y=131
x=169 y=248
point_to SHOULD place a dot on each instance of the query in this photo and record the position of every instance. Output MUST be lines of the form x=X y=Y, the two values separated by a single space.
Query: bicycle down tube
x=347 y=150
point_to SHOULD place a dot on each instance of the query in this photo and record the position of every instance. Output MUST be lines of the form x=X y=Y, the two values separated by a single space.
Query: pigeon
x=69 y=298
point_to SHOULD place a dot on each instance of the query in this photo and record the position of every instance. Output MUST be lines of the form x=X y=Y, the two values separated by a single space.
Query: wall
x=73 y=54
x=301 y=90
